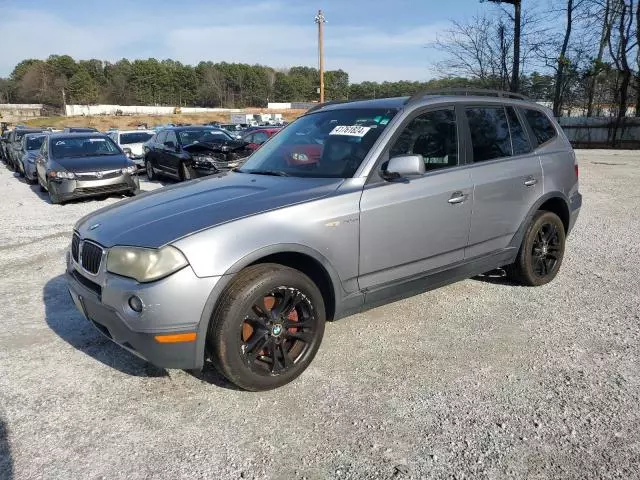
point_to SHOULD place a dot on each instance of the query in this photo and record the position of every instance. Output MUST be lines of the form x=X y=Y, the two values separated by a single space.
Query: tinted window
x=489 y=133
x=135 y=137
x=161 y=137
x=519 y=139
x=34 y=143
x=72 y=147
x=187 y=137
x=434 y=136
x=260 y=137
x=171 y=137
x=542 y=127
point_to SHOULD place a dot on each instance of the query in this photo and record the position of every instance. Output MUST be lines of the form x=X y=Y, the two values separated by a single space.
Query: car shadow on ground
x=6 y=462
x=210 y=375
x=496 y=277
x=69 y=324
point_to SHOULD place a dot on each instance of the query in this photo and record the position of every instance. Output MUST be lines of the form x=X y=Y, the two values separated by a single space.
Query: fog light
x=135 y=303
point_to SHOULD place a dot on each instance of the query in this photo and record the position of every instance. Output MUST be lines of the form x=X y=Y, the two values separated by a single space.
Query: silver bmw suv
x=352 y=205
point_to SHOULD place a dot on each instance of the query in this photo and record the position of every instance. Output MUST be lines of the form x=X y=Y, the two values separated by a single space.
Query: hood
x=159 y=217
x=93 y=164
x=223 y=146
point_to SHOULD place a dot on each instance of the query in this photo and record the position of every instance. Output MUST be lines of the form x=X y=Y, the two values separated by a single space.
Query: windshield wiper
x=275 y=173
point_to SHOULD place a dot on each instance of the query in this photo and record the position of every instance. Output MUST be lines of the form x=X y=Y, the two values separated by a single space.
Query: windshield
x=136 y=137
x=72 y=147
x=34 y=143
x=324 y=144
x=188 y=137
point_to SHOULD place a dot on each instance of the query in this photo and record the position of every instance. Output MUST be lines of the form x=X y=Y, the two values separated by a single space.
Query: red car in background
x=257 y=137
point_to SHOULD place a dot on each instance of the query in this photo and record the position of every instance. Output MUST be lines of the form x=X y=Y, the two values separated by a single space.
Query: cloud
x=260 y=33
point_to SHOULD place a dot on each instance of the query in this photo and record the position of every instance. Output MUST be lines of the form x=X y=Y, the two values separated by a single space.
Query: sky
x=374 y=40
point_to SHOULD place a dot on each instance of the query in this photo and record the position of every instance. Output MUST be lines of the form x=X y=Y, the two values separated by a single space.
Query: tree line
x=581 y=56
x=60 y=78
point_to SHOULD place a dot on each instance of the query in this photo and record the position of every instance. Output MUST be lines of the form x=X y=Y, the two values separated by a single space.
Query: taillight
x=575 y=166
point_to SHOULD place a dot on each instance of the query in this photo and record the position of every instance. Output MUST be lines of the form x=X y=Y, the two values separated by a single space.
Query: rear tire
x=267 y=327
x=541 y=252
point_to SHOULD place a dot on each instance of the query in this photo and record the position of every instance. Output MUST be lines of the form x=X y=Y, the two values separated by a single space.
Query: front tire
x=267 y=327
x=541 y=252
x=151 y=174
x=185 y=172
x=53 y=198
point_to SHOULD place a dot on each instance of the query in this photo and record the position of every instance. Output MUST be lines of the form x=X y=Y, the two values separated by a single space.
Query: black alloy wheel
x=546 y=247
x=541 y=252
x=277 y=331
x=267 y=327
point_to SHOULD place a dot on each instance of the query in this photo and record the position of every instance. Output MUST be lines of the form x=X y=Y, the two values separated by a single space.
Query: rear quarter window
x=543 y=129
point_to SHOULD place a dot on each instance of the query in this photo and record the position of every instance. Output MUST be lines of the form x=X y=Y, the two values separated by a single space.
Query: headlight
x=145 y=264
x=130 y=170
x=202 y=159
x=62 y=175
x=127 y=152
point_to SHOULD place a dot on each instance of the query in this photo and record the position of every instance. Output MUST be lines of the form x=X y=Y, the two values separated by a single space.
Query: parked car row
x=73 y=163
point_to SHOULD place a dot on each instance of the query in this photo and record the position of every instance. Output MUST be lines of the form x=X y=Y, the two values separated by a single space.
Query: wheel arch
x=299 y=257
x=555 y=202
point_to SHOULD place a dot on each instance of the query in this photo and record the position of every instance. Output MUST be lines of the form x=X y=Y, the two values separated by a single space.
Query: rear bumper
x=574 y=209
x=69 y=189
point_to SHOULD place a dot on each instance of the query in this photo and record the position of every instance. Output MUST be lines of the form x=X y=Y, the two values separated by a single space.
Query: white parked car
x=131 y=142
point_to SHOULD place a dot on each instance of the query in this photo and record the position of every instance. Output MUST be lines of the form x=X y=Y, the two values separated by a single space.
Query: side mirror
x=404 y=166
x=171 y=145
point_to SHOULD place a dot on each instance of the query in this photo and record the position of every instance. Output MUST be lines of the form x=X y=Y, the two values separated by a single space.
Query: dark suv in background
x=188 y=152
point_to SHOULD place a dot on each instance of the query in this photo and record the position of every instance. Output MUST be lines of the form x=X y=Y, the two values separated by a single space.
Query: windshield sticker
x=351 y=130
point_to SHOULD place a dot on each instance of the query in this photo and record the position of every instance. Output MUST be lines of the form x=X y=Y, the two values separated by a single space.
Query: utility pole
x=64 y=103
x=320 y=20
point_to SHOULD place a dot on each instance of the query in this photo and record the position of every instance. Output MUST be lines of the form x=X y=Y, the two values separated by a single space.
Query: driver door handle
x=530 y=182
x=457 y=197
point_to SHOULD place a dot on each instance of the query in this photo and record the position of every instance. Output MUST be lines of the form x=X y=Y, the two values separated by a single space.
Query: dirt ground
x=104 y=122
x=479 y=379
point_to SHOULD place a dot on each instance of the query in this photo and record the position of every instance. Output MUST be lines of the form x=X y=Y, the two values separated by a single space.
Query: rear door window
x=543 y=129
x=519 y=139
x=489 y=130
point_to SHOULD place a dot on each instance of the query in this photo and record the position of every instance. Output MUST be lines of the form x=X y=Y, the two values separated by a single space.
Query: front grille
x=94 y=287
x=118 y=187
x=75 y=246
x=99 y=175
x=91 y=257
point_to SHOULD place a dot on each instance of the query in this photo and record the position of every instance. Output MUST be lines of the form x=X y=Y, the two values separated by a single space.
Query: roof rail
x=464 y=91
x=325 y=104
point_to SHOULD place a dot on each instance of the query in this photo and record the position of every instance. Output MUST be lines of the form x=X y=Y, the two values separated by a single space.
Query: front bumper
x=172 y=305
x=78 y=188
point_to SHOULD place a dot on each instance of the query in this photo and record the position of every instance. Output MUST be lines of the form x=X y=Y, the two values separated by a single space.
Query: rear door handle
x=457 y=197
x=530 y=182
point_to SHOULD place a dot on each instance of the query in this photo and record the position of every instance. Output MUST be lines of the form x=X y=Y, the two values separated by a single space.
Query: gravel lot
x=479 y=379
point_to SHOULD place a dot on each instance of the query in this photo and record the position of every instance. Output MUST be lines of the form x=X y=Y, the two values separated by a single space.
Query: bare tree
x=563 y=61
x=476 y=49
x=620 y=45
x=603 y=10
x=517 y=24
